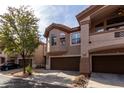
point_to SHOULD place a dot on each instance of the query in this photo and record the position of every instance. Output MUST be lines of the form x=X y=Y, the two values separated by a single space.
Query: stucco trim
x=65 y=56
x=107 y=54
x=85 y=22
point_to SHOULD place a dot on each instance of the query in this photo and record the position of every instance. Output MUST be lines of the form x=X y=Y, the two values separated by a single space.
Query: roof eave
x=88 y=11
x=57 y=26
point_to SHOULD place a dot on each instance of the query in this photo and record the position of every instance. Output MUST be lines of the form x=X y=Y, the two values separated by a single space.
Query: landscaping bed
x=81 y=81
x=22 y=75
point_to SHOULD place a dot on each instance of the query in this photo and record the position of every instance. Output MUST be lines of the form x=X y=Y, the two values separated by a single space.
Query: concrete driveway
x=40 y=78
x=55 y=77
x=103 y=80
x=14 y=82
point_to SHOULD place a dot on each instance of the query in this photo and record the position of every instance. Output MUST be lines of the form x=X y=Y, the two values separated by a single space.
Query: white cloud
x=46 y=14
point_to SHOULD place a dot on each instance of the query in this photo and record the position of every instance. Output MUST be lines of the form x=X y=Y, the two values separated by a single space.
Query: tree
x=19 y=32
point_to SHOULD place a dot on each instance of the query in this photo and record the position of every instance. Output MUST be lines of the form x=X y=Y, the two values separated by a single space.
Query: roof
x=79 y=17
x=42 y=43
x=88 y=11
x=60 y=27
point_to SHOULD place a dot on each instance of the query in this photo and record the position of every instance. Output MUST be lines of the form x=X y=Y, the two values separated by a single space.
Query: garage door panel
x=108 y=64
x=65 y=63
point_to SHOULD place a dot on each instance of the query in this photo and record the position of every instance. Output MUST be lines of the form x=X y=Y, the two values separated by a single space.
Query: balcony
x=113 y=37
x=56 y=49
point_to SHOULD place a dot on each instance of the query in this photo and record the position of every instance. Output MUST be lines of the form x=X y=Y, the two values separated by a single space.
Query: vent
x=119 y=34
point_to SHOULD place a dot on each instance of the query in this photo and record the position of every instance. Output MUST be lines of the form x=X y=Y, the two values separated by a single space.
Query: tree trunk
x=23 y=58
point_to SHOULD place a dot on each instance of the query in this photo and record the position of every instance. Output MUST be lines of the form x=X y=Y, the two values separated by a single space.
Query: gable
x=56 y=26
x=60 y=27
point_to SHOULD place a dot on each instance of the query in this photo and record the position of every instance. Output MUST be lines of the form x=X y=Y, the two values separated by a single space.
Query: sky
x=62 y=14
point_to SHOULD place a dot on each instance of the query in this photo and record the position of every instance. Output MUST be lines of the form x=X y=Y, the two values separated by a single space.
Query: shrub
x=81 y=81
x=29 y=69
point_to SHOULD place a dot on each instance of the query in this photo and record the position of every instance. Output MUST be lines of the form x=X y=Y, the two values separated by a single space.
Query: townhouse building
x=96 y=45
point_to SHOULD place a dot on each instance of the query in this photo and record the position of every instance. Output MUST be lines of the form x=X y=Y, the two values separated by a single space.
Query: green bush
x=29 y=69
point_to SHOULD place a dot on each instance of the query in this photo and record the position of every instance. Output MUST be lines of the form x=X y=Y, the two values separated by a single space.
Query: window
x=53 y=40
x=99 y=27
x=75 y=38
x=62 y=39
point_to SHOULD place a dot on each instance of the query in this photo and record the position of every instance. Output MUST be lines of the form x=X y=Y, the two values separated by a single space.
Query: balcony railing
x=110 y=28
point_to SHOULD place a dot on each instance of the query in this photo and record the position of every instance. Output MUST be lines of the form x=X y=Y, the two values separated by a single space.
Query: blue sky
x=62 y=14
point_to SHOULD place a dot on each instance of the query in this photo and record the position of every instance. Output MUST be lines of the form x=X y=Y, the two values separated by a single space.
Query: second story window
x=62 y=39
x=53 y=40
x=75 y=38
x=99 y=27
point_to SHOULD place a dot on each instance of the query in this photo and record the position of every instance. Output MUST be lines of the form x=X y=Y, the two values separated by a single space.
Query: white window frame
x=51 y=39
x=71 y=39
x=61 y=35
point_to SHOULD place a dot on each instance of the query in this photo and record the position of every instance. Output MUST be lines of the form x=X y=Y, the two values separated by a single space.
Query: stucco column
x=47 y=62
x=47 y=55
x=0 y=60
x=85 y=59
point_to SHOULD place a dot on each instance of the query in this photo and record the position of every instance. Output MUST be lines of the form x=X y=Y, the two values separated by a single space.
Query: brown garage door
x=65 y=63
x=108 y=64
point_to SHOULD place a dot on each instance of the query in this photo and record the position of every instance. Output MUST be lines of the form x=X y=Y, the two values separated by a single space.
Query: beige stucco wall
x=74 y=50
x=68 y=48
x=39 y=55
x=105 y=40
x=57 y=47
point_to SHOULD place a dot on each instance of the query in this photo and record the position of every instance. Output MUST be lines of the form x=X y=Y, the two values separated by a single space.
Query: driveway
x=55 y=77
x=11 y=82
x=103 y=80
x=41 y=79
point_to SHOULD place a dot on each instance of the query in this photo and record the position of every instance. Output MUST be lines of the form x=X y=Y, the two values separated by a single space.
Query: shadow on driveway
x=44 y=79
x=21 y=83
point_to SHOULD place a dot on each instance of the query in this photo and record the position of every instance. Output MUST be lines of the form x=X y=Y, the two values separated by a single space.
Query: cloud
x=47 y=13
